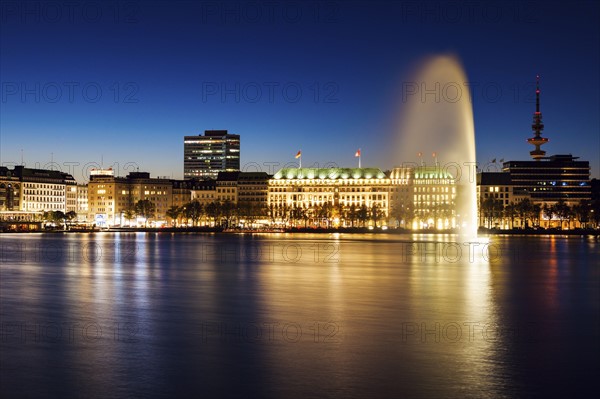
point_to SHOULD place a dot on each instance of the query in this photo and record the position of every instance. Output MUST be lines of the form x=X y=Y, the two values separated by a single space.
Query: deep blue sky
x=169 y=62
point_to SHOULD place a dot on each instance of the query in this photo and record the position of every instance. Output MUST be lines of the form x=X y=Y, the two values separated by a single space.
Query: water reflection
x=302 y=315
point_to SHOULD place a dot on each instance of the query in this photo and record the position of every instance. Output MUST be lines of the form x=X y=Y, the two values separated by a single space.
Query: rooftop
x=494 y=179
x=330 y=173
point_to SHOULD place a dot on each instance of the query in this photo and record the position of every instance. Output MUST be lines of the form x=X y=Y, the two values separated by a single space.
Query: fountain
x=437 y=122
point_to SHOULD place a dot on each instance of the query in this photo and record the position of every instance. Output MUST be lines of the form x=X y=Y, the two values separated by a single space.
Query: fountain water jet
x=437 y=117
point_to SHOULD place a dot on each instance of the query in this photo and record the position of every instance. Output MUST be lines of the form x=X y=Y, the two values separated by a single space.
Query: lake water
x=276 y=315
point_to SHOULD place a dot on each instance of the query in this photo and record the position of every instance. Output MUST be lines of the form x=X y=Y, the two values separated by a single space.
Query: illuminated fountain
x=437 y=130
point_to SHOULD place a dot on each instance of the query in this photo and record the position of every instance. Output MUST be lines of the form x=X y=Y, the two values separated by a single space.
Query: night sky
x=122 y=82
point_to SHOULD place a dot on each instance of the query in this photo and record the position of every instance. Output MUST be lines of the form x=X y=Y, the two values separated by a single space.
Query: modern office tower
x=551 y=179
x=205 y=156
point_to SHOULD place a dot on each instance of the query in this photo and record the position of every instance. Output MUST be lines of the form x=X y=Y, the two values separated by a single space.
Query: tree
x=272 y=213
x=70 y=216
x=174 y=212
x=582 y=212
x=548 y=211
x=491 y=209
x=524 y=209
x=325 y=211
x=47 y=216
x=283 y=212
x=145 y=209
x=227 y=212
x=563 y=211
x=251 y=211
x=352 y=214
x=363 y=214
x=129 y=214
x=536 y=210
x=213 y=211
x=510 y=211
x=298 y=213
x=305 y=215
x=404 y=214
x=595 y=213
x=193 y=210
x=376 y=213
x=55 y=217
x=59 y=217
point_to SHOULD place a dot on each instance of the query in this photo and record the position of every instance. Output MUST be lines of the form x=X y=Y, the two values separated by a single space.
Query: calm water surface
x=164 y=315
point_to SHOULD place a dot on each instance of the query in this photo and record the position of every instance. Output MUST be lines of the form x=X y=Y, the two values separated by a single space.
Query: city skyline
x=334 y=77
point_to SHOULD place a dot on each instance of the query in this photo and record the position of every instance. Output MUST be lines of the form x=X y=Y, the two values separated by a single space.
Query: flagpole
x=300 y=160
x=359 y=155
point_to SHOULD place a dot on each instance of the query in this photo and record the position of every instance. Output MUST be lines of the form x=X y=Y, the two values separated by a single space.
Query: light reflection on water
x=297 y=315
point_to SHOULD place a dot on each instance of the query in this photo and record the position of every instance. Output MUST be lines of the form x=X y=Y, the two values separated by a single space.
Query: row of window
x=50 y=186
x=43 y=192
x=433 y=190
x=431 y=197
x=495 y=195
x=31 y=198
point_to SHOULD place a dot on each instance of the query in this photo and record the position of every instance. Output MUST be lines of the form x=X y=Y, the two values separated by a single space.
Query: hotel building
x=341 y=187
x=423 y=197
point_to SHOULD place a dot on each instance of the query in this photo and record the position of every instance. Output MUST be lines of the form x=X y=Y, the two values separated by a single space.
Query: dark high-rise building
x=551 y=179
x=205 y=156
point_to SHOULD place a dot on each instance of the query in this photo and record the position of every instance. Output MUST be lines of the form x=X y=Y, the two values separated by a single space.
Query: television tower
x=537 y=140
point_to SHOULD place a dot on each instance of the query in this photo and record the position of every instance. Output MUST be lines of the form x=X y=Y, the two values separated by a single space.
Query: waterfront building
x=324 y=195
x=227 y=187
x=10 y=190
x=182 y=191
x=37 y=190
x=423 y=197
x=205 y=156
x=112 y=200
x=548 y=180
x=495 y=197
x=82 y=202
x=26 y=193
x=253 y=188
x=205 y=191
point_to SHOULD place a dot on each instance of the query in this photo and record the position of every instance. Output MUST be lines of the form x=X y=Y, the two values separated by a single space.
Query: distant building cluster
x=545 y=192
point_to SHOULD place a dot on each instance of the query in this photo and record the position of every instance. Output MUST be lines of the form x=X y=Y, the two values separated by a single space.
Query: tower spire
x=537 y=140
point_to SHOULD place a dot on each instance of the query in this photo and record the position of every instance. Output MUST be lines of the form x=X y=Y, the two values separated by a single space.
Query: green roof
x=329 y=173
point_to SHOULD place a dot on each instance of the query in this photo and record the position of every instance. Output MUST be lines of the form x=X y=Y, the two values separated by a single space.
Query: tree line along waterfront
x=493 y=214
